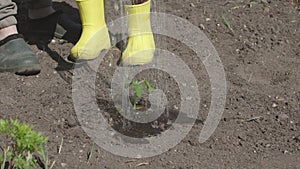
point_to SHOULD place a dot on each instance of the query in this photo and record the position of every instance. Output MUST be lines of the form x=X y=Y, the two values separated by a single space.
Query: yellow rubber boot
x=141 y=46
x=95 y=36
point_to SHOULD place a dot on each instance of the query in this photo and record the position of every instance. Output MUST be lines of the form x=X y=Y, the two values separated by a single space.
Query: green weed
x=20 y=145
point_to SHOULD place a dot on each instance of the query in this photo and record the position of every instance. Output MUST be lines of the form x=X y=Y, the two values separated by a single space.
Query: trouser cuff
x=8 y=21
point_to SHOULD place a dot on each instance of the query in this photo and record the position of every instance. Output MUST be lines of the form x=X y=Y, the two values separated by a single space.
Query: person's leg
x=45 y=23
x=141 y=46
x=7 y=31
x=39 y=8
x=95 y=36
x=7 y=20
x=15 y=55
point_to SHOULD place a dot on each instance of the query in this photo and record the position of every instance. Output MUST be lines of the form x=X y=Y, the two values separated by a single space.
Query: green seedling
x=138 y=90
x=44 y=154
x=254 y=4
x=21 y=145
x=227 y=24
x=90 y=154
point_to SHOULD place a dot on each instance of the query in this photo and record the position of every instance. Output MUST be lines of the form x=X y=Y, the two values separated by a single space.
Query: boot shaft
x=139 y=18
x=92 y=12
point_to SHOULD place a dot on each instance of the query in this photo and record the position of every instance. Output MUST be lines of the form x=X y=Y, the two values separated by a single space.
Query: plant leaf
x=90 y=154
x=226 y=23
x=139 y=90
x=148 y=85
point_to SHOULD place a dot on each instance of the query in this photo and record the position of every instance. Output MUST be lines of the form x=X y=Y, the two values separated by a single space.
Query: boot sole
x=25 y=70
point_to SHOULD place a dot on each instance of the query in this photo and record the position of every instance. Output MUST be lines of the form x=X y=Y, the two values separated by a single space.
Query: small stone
x=192 y=5
x=63 y=164
x=202 y=27
x=274 y=105
x=283 y=117
x=162 y=126
x=267 y=10
x=61 y=41
x=280 y=99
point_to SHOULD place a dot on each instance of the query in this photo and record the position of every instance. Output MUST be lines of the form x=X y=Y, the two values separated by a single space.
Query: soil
x=260 y=127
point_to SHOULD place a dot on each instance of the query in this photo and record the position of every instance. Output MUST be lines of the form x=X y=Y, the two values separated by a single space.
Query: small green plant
x=90 y=154
x=20 y=146
x=259 y=4
x=227 y=24
x=138 y=90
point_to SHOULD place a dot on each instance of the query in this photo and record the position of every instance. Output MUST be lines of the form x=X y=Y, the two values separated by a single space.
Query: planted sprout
x=138 y=90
